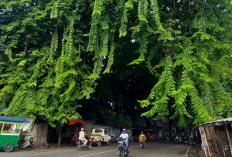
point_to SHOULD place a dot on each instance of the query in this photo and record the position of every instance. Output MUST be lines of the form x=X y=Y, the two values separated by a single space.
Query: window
x=0 y=127
x=98 y=131
x=11 y=128
x=6 y=128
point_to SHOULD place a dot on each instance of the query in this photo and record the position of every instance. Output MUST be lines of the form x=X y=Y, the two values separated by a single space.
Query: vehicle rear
x=141 y=143
x=121 y=147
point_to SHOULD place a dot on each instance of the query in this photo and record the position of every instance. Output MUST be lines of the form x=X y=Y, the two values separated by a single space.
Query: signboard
x=204 y=144
x=203 y=138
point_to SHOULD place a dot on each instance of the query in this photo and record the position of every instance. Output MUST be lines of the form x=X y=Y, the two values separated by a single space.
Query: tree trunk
x=59 y=137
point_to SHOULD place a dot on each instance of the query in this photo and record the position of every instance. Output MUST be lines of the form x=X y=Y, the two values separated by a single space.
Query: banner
x=204 y=144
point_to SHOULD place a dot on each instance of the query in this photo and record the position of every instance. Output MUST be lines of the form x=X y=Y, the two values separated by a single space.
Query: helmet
x=123 y=129
x=82 y=129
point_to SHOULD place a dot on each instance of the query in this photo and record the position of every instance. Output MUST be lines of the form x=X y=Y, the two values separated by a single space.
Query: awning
x=74 y=121
x=218 y=122
x=13 y=119
x=28 y=126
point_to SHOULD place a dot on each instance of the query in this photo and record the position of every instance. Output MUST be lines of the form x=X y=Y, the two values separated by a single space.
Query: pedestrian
x=71 y=136
x=21 y=139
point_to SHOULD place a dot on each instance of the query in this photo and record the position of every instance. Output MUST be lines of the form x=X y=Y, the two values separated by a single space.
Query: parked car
x=100 y=136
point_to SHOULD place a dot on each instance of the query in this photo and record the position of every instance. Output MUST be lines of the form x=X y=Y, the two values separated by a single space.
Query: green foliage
x=124 y=121
x=46 y=74
x=53 y=55
x=197 y=54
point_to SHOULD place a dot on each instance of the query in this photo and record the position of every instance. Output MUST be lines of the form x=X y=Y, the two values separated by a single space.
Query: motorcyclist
x=82 y=136
x=125 y=137
x=142 y=137
x=86 y=135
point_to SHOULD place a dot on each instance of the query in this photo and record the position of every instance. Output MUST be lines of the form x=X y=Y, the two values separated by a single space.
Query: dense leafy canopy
x=174 y=56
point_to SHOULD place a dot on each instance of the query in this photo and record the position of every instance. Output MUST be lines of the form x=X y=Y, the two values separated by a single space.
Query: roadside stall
x=216 y=134
x=10 y=128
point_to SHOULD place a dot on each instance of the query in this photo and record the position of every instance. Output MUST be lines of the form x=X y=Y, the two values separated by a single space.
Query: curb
x=186 y=154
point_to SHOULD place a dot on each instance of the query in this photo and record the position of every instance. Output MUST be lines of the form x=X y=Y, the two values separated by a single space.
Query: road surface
x=151 y=150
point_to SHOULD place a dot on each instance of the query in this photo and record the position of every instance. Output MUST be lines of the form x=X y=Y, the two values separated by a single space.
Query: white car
x=100 y=136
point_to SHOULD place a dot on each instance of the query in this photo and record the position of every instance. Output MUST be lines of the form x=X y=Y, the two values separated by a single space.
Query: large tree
x=45 y=71
x=54 y=52
x=186 y=44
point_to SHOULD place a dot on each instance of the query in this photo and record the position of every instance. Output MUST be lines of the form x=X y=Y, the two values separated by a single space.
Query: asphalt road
x=151 y=150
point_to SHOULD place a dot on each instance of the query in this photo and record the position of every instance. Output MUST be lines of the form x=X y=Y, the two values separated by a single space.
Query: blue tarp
x=13 y=119
x=4 y=110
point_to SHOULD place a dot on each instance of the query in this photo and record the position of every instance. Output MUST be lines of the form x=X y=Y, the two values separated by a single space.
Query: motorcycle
x=141 y=144
x=80 y=145
x=121 y=148
x=114 y=138
x=186 y=140
x=172 y=138
x=32 y=143
x=177 y=139
x=167 y=139
x=193 y=142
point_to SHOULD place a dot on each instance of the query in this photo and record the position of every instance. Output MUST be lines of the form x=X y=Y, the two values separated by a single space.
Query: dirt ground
x=196 y=151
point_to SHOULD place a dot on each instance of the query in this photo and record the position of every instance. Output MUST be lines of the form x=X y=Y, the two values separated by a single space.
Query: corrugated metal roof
x=218 y=122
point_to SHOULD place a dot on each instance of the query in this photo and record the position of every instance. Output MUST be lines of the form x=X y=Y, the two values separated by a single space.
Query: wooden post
x=221 y=142
x=202 y=142
x=228 y=136
x=206 y=142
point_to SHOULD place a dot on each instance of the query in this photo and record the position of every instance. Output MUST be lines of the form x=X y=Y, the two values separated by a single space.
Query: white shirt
x=81 y=135
x=124 y=136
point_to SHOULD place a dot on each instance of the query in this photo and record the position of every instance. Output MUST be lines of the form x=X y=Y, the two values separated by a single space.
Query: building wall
x=130 y=133
x=88 y=127
x=116 y=131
